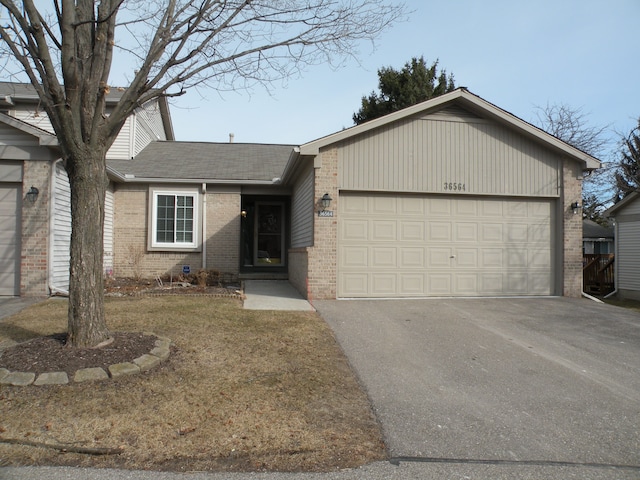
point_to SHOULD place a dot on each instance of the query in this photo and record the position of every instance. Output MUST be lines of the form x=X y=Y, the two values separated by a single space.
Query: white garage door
x=416 y=246
x=9 y=239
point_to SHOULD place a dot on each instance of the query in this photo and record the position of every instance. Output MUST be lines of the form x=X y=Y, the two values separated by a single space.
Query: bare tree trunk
x=86 y=321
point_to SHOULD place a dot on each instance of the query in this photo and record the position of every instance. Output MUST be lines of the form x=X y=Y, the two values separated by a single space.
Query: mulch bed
x=124 y=287
x=51 y=354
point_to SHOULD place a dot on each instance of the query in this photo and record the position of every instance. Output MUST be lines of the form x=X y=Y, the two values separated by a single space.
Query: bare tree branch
x=66 y=48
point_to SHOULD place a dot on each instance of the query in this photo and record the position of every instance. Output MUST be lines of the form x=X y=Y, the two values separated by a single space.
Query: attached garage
x=412 y=245
x=10 y=208
x=450 y=197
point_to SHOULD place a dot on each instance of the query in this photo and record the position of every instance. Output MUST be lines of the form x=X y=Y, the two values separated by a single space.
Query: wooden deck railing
x=598 y=273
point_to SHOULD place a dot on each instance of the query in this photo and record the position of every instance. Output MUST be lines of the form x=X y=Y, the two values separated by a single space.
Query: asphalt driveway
x=534 y=381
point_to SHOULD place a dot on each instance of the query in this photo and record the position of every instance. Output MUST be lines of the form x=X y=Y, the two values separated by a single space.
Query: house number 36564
x=455 y=187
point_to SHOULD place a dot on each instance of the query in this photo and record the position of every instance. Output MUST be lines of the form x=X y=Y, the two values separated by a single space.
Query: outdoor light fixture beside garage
x=575 y=207
x=326 y=202
x=32 y=194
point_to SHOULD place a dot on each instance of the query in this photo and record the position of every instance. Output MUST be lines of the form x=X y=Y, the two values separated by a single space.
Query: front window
x=174 y=220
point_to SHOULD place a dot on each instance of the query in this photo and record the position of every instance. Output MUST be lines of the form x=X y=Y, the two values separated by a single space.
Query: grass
x=625 y=303
x=243 y=390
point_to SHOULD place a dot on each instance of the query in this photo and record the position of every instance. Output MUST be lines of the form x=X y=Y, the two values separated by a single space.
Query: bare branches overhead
x=173 y=45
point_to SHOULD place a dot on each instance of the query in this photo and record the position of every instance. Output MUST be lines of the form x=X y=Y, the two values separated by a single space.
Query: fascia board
x=505 y=117
x=610 y=212
x=128 y=178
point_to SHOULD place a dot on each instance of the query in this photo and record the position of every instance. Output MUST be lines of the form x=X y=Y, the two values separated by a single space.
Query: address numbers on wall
x=455 y=187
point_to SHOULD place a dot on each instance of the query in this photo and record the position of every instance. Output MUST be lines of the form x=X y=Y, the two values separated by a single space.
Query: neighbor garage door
x=416 y=246
x=9 y=239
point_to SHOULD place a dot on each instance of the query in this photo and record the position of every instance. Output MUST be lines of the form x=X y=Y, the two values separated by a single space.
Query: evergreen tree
x=628 y=171
x=415 y=83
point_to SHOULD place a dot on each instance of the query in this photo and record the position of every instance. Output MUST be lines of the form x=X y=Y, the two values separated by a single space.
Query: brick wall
x=223 y=232
x=322 y=257
x=130 y=238
x=572 y=231
x=35 y=230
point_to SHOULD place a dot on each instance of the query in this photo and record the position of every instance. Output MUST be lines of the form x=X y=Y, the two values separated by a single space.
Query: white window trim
x=154 y=245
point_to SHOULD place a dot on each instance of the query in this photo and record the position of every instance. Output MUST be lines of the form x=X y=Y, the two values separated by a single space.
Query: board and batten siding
x=302 y=205
x=449 y=153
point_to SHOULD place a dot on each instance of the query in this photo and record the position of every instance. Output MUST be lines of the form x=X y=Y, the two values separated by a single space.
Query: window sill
x=176 y=249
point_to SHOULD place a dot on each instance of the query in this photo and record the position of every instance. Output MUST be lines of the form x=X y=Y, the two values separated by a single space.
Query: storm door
x=269 y=235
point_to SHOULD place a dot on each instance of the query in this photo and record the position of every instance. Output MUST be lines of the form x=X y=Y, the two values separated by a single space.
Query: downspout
x=591 y=297
x=204 y=226
x=52 y=189
x=615 y=255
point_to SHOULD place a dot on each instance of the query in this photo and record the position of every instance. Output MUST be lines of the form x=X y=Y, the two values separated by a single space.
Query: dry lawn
x=624 y=303
x=242 y=390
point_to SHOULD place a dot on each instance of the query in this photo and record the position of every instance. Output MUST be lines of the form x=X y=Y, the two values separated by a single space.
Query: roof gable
x=464 y=104
x=622 y=204
x=45 y=138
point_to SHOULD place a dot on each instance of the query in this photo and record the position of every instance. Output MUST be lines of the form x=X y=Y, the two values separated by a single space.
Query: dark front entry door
x=263 y=234
x=269 y=235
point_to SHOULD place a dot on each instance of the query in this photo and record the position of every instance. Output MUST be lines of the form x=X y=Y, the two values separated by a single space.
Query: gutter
x=129 y=178
x=204 y=226
x=615 y=254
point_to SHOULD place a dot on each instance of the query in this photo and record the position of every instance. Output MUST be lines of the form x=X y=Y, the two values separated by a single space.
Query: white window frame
x=154 y=244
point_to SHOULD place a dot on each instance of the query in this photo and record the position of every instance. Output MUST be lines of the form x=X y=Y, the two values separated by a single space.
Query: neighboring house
x=626 y=214
x=450 y=197
x=596 y=239
x=35 y=235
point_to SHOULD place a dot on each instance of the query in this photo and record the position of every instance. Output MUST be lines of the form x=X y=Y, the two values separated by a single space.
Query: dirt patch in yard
x=243 y=390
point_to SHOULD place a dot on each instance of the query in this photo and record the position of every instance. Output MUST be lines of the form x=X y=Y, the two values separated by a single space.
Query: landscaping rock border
x=158 y=354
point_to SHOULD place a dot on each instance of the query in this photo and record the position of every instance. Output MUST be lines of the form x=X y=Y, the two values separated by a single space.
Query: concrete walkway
x=273 y=295
x=12 y=305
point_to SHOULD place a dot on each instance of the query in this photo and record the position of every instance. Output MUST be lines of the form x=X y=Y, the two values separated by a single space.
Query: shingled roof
x=591 y=229
x=205 y=162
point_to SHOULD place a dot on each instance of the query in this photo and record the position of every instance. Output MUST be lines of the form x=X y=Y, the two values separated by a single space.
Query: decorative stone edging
x=145 y=362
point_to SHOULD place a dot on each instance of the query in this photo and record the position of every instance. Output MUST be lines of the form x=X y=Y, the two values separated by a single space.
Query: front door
x=269 y=235
x=263 y=234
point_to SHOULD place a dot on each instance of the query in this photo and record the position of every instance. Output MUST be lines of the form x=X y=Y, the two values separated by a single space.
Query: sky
x=518 y=55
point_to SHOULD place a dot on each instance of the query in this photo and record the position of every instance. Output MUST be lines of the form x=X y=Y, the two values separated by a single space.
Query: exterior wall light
x=326 y=201
x=575 y=207
x=32 y=194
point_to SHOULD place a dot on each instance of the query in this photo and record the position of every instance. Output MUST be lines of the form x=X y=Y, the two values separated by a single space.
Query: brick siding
x=34 y=255
x=323 y=256
x=130 y=238
x=572 y=231
x=223 y=232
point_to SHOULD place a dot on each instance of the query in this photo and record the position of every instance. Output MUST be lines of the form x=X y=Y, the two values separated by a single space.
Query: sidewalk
x=273 y=295
x=12 y=305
